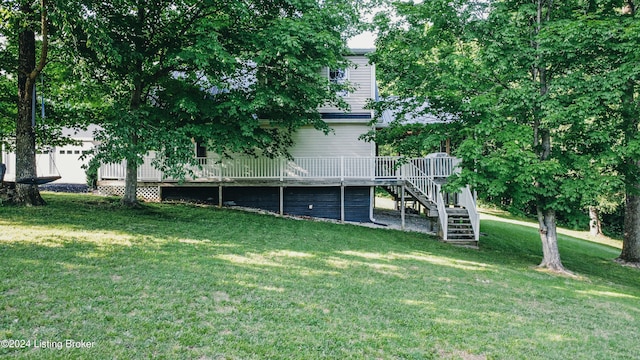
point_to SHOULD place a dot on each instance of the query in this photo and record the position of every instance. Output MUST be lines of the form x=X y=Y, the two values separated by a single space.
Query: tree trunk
x=631 y=241
x=131 y=180
x=549 y=238
x=595 y=226
x=542 y=141
x=547 y=217
x=27 y=194
x=130 y=197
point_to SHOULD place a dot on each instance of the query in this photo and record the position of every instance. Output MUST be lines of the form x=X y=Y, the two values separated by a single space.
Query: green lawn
x=184 y=281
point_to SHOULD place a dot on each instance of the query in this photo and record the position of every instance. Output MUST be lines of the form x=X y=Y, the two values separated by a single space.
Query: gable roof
x=360 y=51
x=402 y=111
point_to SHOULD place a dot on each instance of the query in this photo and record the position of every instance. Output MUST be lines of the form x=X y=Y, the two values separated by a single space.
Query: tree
x=631 y=123
x=212 y=72
x=28 y=71
x=47 y=130
x=602 y=47
x=528 y=143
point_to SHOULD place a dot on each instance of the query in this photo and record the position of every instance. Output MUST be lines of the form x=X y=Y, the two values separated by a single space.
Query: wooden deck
x=418 y=178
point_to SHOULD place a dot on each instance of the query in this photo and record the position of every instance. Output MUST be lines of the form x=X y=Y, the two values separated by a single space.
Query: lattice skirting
x=146 y=193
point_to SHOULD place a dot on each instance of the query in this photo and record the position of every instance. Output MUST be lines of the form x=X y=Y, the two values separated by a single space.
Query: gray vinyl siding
x=361 y=76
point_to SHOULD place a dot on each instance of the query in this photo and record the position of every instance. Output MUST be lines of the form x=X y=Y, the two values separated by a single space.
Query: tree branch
x=45 y=41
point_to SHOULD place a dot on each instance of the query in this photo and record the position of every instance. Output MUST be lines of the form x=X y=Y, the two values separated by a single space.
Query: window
x=339 y=77
x=201 y=153
x=201 y=150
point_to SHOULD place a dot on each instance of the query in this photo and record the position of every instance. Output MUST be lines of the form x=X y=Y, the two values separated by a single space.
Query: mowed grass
x=180 y=281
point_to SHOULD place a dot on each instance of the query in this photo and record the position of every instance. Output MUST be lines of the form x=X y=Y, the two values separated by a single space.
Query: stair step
x=457 y=212
x=464 y=243
x=460 y=230
x=461 y=237
x=458 y=218
x=454 y=222
x=459 y=227
x=459 y=223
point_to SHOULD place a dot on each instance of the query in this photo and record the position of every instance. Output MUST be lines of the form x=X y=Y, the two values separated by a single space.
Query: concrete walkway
x=386 y=216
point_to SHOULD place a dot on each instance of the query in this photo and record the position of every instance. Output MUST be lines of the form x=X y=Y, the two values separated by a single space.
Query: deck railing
x=302 y=168
x=424 y=174
x=416 y=174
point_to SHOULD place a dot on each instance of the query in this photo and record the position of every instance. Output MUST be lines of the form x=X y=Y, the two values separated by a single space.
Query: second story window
x=201 y=153
x=339 y=77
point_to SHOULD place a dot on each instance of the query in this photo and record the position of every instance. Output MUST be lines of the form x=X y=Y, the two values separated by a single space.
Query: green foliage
x=8 y=77
x=50 y=85
x=91 y=170
x=238 y=76
x=8 y=109
x=410 y=140
x=512 y=80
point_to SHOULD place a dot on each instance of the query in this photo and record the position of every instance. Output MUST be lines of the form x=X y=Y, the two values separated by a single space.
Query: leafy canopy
x=483 y=62
x=238 y=76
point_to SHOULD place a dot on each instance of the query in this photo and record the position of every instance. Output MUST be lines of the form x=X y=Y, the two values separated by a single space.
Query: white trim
x=374 y=84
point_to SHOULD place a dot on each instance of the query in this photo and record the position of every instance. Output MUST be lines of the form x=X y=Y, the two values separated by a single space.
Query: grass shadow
x=186 y=281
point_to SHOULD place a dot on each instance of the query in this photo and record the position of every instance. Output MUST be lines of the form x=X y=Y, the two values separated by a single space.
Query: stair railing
x=443 y=216
x=467 y=200
x=419 y=180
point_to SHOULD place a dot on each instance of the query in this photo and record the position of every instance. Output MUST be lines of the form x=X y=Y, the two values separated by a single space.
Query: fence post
x=281 y=169
x=374 y=167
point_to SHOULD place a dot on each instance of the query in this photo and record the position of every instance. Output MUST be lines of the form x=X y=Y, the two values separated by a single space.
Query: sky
x=362 y=41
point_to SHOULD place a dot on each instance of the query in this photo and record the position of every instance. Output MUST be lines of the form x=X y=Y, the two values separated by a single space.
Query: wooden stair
x=432 y=208
x=459 y=228
x=449 y=208
x=413 y=195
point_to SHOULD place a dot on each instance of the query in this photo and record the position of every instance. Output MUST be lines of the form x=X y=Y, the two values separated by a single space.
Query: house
x=328 y=176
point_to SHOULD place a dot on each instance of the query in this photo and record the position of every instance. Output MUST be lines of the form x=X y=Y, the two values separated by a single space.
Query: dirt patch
x=628 y=264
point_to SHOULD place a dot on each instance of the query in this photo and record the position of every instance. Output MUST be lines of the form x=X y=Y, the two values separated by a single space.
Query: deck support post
x=342 y=202
x=281 y=205
x=219 y=196
x=402 y=204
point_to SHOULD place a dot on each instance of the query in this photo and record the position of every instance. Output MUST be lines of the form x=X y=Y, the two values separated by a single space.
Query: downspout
x=372 y=203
